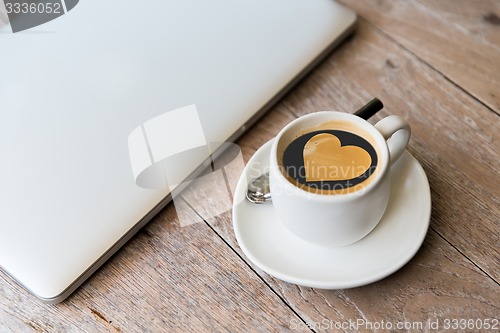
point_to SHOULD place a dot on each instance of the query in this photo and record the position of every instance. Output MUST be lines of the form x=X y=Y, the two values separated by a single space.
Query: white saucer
x=395 y=240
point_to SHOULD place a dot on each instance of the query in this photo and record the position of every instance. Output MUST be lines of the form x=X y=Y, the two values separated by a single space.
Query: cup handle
x=397 y=133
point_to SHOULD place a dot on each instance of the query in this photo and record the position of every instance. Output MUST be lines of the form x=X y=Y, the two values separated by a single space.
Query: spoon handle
x=370 y=109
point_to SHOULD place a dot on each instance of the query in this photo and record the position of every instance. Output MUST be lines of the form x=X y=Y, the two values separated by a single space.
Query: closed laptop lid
x=74 y=89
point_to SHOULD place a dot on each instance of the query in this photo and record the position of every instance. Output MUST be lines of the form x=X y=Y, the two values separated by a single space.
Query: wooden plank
x=170 y=278
x=461 y=39
x=167 y=279
x=438 y=284
x=448 y=127
x=456 y=139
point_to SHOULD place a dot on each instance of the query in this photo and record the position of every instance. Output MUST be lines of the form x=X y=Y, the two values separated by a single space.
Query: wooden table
x=435 y=63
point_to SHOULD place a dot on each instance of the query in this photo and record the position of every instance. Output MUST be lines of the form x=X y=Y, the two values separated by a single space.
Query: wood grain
x=167 y=279
x=446 y=279
x=455 y=137
x=461 y=39
x=439 y=283
x=433 y=62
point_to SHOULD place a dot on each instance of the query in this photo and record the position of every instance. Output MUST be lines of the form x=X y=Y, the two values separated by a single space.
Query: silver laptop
x=74 y=90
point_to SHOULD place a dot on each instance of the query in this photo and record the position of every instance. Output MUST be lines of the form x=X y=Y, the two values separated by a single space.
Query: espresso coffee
x=335 y=157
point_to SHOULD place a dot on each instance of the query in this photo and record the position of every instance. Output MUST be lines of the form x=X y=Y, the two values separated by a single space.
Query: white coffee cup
x=337 y=219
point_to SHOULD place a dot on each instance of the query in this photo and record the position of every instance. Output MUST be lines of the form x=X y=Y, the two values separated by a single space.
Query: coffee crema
x=335 y=157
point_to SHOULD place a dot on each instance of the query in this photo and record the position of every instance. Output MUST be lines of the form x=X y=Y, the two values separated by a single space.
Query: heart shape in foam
x=325 y=159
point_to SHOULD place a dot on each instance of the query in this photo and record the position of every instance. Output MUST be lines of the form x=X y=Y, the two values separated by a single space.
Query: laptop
x=74 y=89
